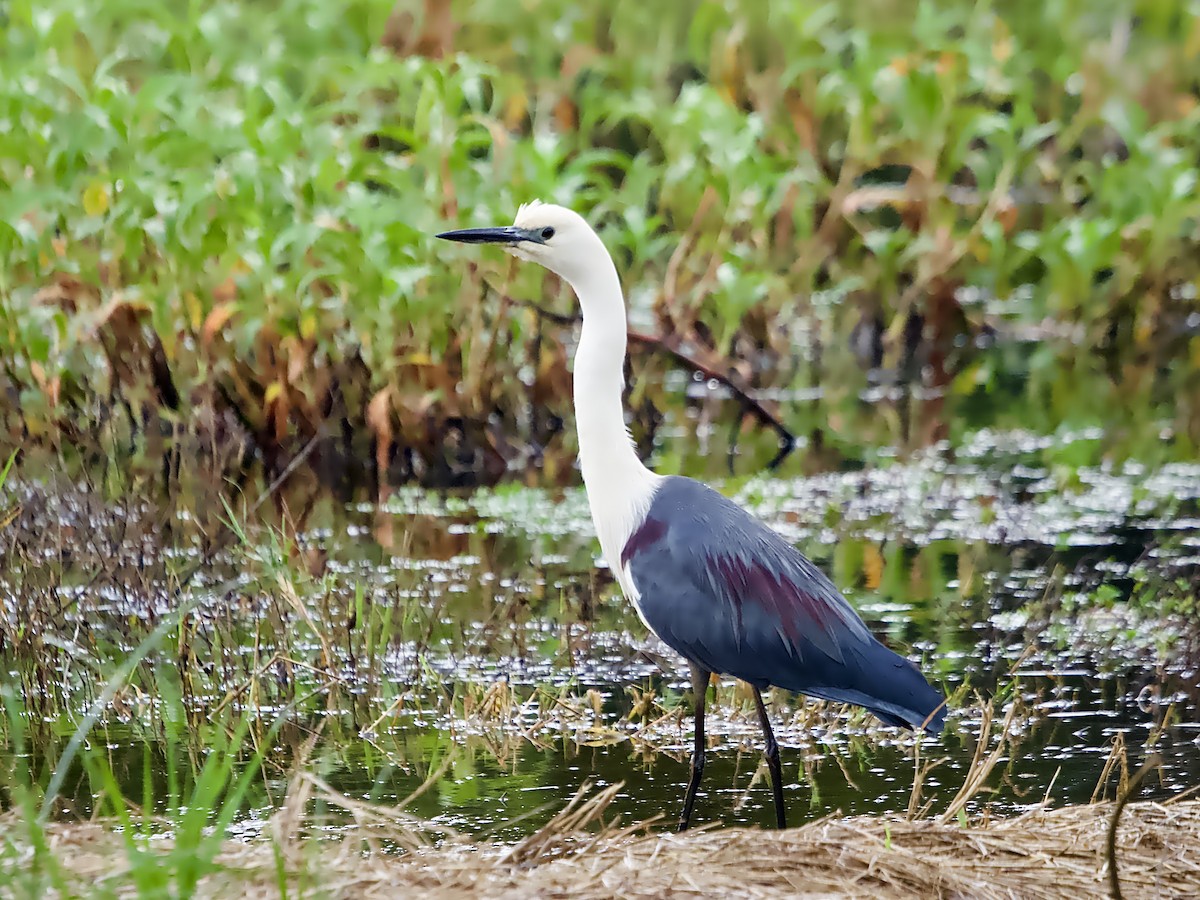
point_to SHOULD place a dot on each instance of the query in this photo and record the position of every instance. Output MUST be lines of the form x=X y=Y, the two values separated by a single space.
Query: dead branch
x=670 y=346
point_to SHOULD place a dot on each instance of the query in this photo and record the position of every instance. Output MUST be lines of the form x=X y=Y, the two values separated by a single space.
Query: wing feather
x=722 y=589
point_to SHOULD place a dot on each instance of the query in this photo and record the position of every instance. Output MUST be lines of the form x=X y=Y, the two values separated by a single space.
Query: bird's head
x=552 y=236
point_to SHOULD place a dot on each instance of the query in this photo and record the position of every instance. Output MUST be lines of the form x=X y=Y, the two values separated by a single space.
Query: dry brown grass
x=1051 y=853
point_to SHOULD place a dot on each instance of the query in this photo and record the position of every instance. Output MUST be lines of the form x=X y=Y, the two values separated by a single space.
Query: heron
x=714 y=583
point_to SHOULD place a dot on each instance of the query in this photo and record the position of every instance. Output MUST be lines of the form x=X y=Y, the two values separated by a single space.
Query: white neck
x=619 y=487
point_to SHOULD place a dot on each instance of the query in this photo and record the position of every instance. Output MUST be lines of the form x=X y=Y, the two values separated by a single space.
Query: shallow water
x=950 y=559
x=507 y=654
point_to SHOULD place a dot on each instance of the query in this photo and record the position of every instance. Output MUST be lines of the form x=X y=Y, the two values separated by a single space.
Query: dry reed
x=1042 y=854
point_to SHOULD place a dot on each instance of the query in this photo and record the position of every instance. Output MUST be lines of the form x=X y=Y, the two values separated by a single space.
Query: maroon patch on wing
x=648 y=533
x=799 y=613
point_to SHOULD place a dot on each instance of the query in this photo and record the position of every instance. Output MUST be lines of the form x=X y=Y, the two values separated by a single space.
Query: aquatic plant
x=216 y=223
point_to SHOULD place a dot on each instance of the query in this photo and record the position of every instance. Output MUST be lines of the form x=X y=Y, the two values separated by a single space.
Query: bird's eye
x=547 y=233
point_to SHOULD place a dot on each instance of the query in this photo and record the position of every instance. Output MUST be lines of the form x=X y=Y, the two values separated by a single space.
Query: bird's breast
x=618 y=512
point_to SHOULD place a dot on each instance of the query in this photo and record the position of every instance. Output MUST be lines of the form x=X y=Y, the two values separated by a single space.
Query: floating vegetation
x=474 y=631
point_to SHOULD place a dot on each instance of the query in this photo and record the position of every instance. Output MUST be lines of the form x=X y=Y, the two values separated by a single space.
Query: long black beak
x=508 y=234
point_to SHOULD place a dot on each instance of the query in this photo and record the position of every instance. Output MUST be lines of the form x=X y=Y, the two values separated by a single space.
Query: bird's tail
x=891 y=688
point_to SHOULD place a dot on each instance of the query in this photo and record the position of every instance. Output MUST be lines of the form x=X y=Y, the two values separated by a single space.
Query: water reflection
x=484 y=643
x=968 y=564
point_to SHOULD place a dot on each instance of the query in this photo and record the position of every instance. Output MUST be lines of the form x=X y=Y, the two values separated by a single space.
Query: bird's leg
x=772 y=755
x=699 y=689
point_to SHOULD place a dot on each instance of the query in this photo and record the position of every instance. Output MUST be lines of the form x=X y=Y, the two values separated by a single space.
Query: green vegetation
x=448 y=665
x=893 y=223
x=233 y=202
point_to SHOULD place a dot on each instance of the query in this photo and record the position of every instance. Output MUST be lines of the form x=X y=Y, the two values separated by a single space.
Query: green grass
x=274 y=165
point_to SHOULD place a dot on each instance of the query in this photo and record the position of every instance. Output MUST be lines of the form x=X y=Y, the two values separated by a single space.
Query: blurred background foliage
x=871 y=227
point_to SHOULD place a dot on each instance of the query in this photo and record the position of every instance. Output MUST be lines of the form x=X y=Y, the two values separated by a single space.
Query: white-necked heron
x=715 y=584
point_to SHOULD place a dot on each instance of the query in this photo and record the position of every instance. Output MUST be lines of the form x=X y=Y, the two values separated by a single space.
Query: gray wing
x=724 y=590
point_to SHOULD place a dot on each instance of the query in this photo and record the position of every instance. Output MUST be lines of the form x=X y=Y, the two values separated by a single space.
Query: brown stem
x=670 y=346
x=1114 y=879
x=747 y=400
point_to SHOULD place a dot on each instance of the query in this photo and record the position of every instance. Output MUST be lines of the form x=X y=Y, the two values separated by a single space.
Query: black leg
x=772 y=754
x=700 y=689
